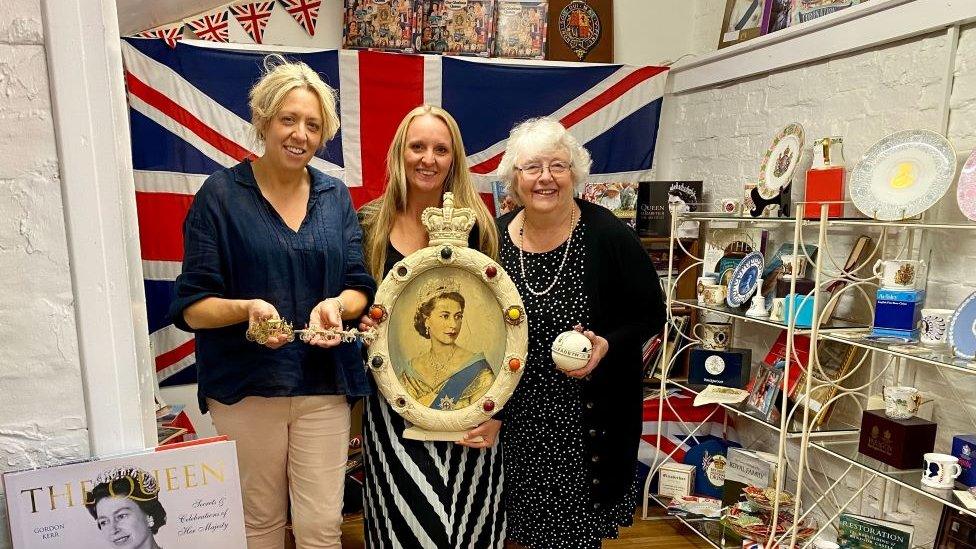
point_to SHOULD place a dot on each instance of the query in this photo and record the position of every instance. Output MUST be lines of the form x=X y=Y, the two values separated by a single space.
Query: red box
x=824 y=185
x=897 y=442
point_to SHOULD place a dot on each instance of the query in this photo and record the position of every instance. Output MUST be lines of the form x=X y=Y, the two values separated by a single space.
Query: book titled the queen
x=188 y=497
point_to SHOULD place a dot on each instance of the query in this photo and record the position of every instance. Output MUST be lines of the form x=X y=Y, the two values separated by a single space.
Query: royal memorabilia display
x=378 y=24
x=903 y=174
x=774 y=263
x=451 y=333
x=964 y=448
x=900 y=274
x=900 y=443
x=726 y=247
x=620 y=197
x=742 y=21
x=934 y=326
x=764 y=389
x=940 y=470
x=714 y=295
x=858 y=531
x=799 y=356
x=962 y=329
x=901 y=402
x=758 y=306
x=752 y=519
x=187 y=497
x=825 y=179
x=704 y=280
x=747 y=468
x=779 y=162
x=520 y=29
x=778 y=311
x=727 y=368
x=709 y=459
x=897 y=313
x=657 y=199
x=580 y=30
x=966 y=188
x=745 y=279
x=675 y=480
x=456 y=27
x=571 y=350
x=714 y=336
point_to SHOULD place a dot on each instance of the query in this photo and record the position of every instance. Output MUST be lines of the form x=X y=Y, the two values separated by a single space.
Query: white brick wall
x=718 y=135
x=42 y=411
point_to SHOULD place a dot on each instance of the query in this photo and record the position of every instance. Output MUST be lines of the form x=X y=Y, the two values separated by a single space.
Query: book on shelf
x=747 y=468
x=776 y=358
x=187 y=497
x=654 y=200
x=860 y=532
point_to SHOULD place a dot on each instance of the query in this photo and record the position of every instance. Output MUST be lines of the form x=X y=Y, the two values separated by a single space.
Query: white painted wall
x=42 y=410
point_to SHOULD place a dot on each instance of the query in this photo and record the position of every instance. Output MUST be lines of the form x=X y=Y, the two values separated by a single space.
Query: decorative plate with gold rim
x=903 y=174
x=780 y=160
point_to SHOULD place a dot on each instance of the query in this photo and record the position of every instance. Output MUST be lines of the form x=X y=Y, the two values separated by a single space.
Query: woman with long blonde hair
x=426 y=494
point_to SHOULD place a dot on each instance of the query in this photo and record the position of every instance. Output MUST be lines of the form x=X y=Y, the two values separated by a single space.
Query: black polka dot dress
x=547 y=499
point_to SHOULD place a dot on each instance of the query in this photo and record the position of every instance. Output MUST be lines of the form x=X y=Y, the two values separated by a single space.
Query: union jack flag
x=253 y=17
x=306 y=12
x=169 y=34
x=189 y=117
x=212 y=26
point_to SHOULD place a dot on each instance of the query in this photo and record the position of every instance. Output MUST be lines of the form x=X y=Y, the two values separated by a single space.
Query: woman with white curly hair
x=570 y=438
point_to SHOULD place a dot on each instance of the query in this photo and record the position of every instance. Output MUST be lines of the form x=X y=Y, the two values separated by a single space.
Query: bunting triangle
x=306 y=12
x=253 y=17
x=212 y=26
x=168 y=33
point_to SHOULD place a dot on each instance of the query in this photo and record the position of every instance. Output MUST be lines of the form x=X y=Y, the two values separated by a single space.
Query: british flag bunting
x=306 y=12
x=253 y=17
x=212 y=26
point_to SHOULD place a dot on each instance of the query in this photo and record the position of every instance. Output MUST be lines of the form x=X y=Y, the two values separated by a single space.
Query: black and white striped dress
x=427 y=494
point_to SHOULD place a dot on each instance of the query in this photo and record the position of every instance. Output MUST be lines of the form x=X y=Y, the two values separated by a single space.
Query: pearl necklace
x=572 y=223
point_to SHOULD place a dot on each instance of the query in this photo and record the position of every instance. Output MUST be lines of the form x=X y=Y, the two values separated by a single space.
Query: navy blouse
x=236 y=246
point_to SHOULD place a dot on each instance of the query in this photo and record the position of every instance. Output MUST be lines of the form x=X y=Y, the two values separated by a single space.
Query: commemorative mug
x=794 y=265
x=901 y=402
x=940 y=470
x=729 y=205
x=715 y=336
x=934 y=326
x=778 y=311
x=714 y=294
x=901 y=274
x=705 y=280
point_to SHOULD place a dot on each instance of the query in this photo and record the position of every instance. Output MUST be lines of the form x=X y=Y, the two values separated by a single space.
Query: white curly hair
x=542 y=136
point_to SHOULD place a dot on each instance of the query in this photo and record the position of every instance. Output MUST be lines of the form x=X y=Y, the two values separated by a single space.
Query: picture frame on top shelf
x=776 y=15
x=455 y=28
x=743 y=21
x=379 y=25
x=520 y=29
x=808 y=10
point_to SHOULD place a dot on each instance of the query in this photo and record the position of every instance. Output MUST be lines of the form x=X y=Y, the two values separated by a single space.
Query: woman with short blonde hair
x=275 y=238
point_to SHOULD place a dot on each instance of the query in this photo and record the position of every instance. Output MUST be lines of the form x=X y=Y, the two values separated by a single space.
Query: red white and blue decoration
x=306 y=12
x=253 y=18
x=212 y=26
x=169 y=34
x=189 y=117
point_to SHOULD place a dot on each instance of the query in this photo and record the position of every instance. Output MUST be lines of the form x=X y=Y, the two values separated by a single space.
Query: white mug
x=901 y=402
x=794 y=265
x=901 y=274
x=715 y=336
x=705 y=280
x=714 y=294
x=934 y=326
x=940 y=470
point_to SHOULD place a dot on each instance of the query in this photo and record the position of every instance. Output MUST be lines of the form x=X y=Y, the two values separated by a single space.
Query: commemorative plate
x=780 y=161
x=903 y=174
x=966 y=190
x=962 y=329
x=744 y=279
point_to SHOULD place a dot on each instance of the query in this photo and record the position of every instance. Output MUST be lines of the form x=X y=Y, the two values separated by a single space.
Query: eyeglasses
x=556 y=168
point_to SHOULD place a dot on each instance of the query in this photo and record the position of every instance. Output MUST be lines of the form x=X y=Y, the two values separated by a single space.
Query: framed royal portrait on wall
x=743 y=21
x=452 y=335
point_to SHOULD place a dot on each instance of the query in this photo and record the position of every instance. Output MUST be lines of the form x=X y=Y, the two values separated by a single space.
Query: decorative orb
x=489 y=405
x=513 y=313
x=402 y=271
x=446 y=252
x=491 y=271
x=377 y=313
x=514 y=364
x=376 y=362
x=571 y=351
x=401 y=402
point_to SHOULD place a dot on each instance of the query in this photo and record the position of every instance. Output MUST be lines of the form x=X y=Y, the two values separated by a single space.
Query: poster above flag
x=253 y=17
x=306 y=12
x=212 y=26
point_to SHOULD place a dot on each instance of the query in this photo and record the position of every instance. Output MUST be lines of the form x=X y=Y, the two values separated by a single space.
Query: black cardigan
x=627 y=308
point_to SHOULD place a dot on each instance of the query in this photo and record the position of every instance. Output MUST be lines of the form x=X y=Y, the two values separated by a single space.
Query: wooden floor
x=660 y=534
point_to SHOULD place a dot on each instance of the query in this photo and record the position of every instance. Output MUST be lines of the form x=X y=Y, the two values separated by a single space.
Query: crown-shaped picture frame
x=451 y=335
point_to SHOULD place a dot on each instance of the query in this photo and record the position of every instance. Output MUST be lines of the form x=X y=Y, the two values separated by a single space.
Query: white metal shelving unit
x=798 y=424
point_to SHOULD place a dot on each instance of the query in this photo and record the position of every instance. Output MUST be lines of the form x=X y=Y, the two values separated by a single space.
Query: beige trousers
x=289 y=448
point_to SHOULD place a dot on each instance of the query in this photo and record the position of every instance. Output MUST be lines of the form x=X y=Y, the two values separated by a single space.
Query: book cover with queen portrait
x=188 y=497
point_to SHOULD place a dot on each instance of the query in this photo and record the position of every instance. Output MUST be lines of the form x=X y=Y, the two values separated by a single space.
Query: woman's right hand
x=258 y=310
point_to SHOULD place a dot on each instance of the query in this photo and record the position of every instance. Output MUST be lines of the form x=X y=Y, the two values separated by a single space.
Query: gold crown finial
x=447 y=224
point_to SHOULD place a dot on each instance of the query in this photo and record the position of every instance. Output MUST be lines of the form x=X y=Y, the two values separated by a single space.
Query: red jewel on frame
x=489 y=405
x=376 y=312
x=514 y=364
x=491 y=271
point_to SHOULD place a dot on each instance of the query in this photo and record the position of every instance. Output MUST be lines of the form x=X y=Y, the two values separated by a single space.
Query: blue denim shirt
x=236 y=246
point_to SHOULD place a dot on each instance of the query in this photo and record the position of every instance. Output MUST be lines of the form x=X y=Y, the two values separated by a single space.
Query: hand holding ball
x=571 y=351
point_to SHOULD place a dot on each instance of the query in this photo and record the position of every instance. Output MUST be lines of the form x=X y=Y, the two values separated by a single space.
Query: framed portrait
x=777 y=15
x=452 y=335
x=836 y=359
x=765 y=388
x=743 y=21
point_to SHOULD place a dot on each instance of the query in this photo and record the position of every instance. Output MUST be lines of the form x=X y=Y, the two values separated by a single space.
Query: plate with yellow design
x=903 y=175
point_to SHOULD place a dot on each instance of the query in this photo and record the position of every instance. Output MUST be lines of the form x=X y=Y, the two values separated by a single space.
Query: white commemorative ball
x=571 y=351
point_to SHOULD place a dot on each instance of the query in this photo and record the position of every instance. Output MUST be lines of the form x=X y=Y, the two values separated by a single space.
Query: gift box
x=898 y=309
x=897 y=442
x=803 y=305
x=726 y=368
x=803 y=286
x=964 y=448
x=675 y=479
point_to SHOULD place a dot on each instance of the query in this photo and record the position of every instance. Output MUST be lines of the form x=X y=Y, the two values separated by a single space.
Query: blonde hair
x=538 y=136
x=379 y=215
x=280 y=78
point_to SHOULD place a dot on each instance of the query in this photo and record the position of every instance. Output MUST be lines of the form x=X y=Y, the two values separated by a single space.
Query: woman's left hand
x=488 y=431
x=599 y=346
x=325 y=315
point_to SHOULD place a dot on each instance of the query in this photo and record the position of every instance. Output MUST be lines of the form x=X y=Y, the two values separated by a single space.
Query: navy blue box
x=725 y=368
x=898 y=309
x=964 y=448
